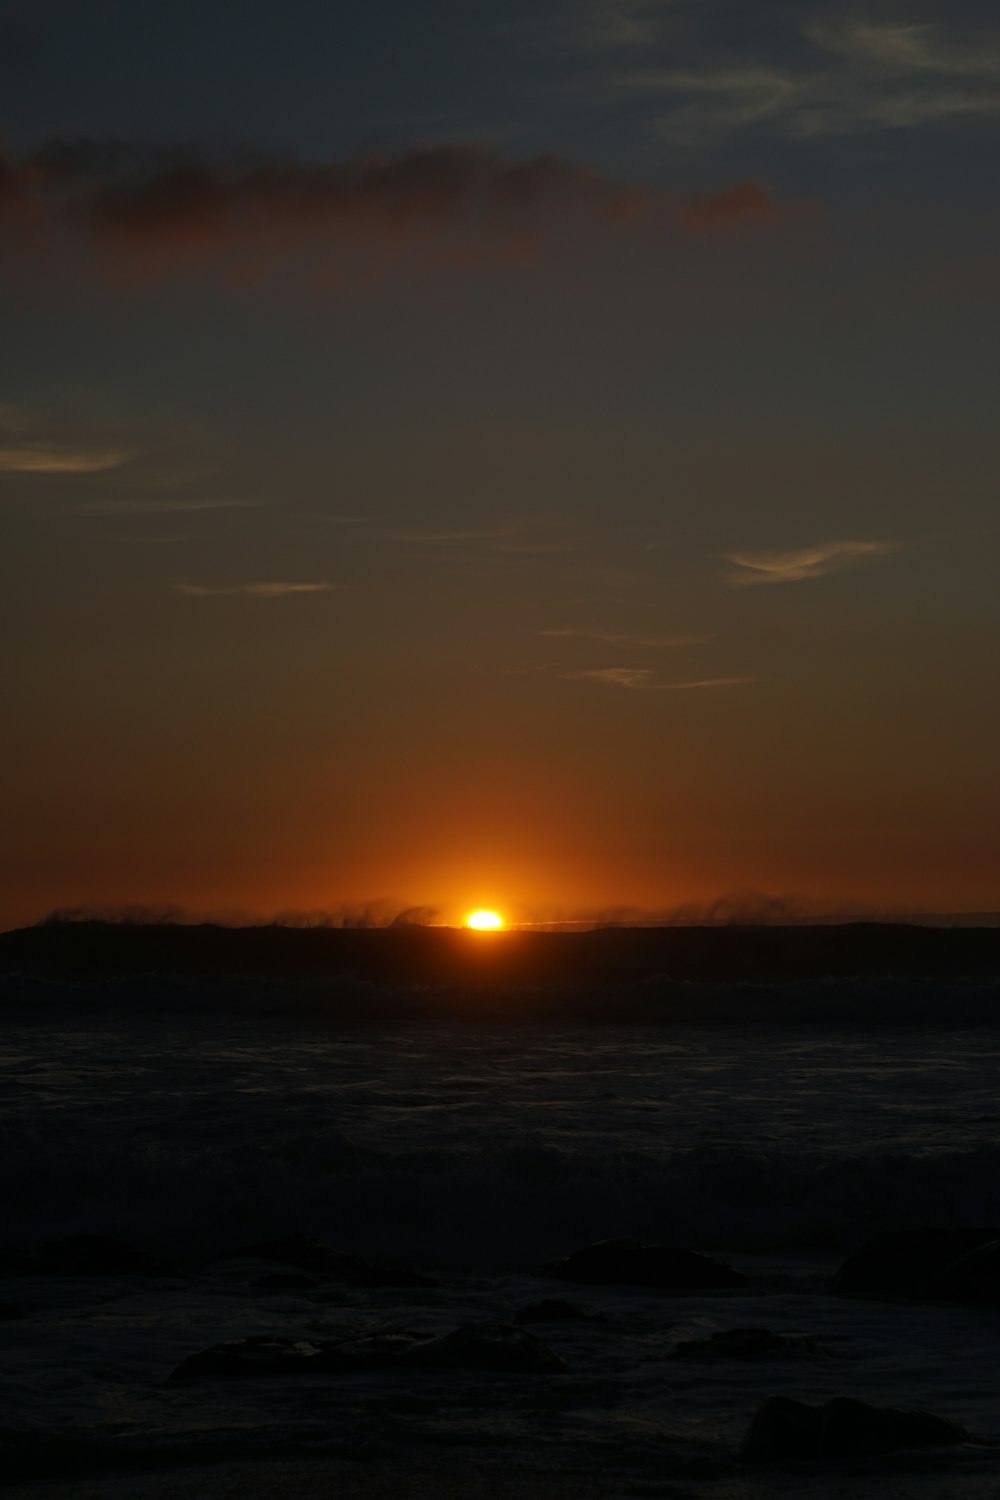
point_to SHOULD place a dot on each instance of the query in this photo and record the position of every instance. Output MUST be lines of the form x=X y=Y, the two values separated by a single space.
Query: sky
x=536 y=456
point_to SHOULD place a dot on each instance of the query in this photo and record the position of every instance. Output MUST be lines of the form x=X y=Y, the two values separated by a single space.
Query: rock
x=749 y=1343
x=84 y=1255
x=18 y=1263
x=262 y=1356
x=285 y=1281
x=973 y=1277
x=783 y=1428
x=552 y=1310
x=844 y=1428
x=306 y=1254
x=909 y=1262
x=374 y=1350
x=303 y=1254
x=388 y=1273
x=851 y=1427
x=487 y=1346
x=629 y=1263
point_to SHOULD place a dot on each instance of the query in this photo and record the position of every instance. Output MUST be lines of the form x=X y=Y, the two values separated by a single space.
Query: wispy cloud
x=509 y=541
x=142 y=210
x=803 y=563
x=647 y=679
x=905 y=48
x=827 y=76
x=160 y=505
x=148 y=209
x=329 y=519
x=49 y=458
x=639 y=642
x=456 y=538
x=593 y=25
x=531 y=549
x=252 y=590
x=34 y=443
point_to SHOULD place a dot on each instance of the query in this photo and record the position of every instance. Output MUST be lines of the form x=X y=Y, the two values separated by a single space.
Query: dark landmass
x=410 y=957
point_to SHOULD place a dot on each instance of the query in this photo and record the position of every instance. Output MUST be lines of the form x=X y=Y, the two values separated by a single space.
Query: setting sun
x=484 y=921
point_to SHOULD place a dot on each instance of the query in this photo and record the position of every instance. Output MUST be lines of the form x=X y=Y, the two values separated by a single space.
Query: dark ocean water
x=188 y=1120
x=483 y=1144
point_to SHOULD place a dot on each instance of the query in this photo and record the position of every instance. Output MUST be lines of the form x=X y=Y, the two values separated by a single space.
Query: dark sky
x=540 y=456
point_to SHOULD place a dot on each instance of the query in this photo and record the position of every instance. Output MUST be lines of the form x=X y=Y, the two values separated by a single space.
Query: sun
x=484 y=921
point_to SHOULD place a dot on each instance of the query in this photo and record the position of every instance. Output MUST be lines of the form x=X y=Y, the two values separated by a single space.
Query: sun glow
x=484 y=921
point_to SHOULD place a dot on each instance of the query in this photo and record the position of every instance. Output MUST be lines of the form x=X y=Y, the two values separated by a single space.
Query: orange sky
x=548 y=466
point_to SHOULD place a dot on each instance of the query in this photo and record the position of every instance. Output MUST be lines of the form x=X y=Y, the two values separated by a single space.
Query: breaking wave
x=507 y=1206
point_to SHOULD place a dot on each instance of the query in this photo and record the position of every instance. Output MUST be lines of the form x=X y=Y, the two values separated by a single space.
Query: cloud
x=451 y=538
x=29 y=445
x=144 y=210
x=804 y=562
x=531 y=549
x=504 y=541
x=159 y=505
x=906 y=48
x=252 y=590
x=618 y=23
x=172 y=205
x=48 y=459
x=84 y=454
x=329 y=519
x=745 y=203
x=640 y=642
x=645 y=679
x=594 y=25
x=827 y=76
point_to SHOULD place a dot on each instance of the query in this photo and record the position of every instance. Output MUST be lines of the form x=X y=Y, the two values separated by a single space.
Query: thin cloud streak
x=644 y=679
x=161 y=505
x=252 y=590
x=639 y=642
x=594 y=25
x=861 y=75
x=804 y=563
x=906 y=48
x=54 y=460
x=38 y=442
x=503 y=541
x=532 y=549
x=450 y=538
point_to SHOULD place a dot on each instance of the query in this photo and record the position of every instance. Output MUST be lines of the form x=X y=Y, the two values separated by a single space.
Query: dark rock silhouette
x=84 y=1255
x=552 y=1310
x=261 y=1357
x=749 y=1343
x=415 y=955
x=484 y=1347
x=629 y=1263
x=784 y=1429
x=372 y=1350
x=302 y=1253
x=951 y=1264
x=285 y=1281
x=972 y=1277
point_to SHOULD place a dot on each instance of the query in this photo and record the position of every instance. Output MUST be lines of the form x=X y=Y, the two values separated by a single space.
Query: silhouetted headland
x=443 y=956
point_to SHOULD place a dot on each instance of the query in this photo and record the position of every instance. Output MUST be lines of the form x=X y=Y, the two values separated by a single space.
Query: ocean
x=776 y=1137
